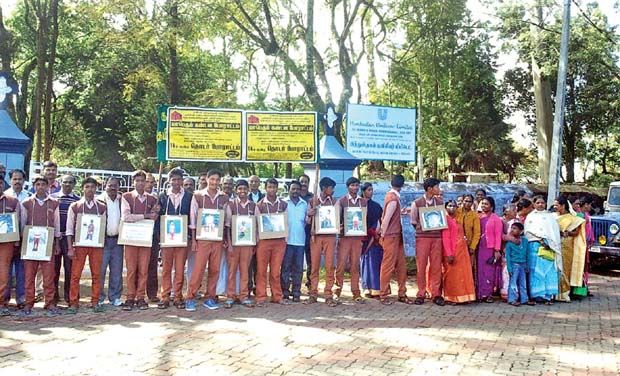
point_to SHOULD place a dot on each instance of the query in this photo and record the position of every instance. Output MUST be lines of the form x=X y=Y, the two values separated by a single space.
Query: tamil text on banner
x=281 y=136
x=198 y=134
x=381 y=133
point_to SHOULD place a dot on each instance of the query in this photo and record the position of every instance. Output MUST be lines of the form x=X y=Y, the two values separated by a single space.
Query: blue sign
x=381 y=133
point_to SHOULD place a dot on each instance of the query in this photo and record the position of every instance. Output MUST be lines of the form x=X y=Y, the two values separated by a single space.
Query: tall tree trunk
x=47 y=109
x=173 y=79
x=41 y=44
x=22 y=99
x=544 y=105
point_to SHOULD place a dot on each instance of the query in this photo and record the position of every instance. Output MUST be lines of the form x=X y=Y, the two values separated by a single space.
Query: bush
x=601 y=180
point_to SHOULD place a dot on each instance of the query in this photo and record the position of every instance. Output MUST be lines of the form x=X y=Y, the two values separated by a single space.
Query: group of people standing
x=529 y=254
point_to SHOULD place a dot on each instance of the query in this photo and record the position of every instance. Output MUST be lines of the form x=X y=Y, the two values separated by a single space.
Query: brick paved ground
x=351 y=339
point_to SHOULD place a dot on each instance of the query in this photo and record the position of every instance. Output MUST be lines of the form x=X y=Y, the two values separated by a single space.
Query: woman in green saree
x=573 y=234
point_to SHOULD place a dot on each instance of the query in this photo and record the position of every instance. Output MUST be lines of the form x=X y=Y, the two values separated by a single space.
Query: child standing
x=516 y=261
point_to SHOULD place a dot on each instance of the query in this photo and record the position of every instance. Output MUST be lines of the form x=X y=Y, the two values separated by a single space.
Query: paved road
x=581 y=338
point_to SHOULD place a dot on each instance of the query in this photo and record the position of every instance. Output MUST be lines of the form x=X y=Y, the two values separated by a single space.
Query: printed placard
x=9 y=228
x=272 y=226
x=210 y=224
x=138 y=234
x=326 y=220
x=433 y=218
x=355 y=221
x=90 y=230
x=243 y=230
x=38 y=243
x=173 y=231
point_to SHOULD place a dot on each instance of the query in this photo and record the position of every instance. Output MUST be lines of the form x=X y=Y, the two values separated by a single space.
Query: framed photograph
x=326 y=220
x=173 y=231
x=90 y=230
x=210 y=224
x=355 y=221
x=243 y=230
x=38 y=243
x=138 y=234
x=272 y=226
x=433 y=218
x=9 y=228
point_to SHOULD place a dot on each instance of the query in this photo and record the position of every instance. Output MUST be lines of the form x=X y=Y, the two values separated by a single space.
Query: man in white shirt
x=112 y=251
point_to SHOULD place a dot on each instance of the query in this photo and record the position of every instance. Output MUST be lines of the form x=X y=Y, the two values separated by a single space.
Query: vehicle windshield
x=614 y=196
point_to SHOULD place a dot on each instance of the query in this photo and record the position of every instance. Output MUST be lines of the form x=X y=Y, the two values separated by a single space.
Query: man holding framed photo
x=174 y=202
x=429 y=247
x=76 y=224
x=136 y=206
x=40 y=211
x=270 y=251
x=208 y=212
x=322 y=243
x=350 y=246
x=243 y=240
x=9 y=238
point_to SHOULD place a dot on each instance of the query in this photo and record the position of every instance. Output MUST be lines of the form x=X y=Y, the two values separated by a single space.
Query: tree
x=592 y=79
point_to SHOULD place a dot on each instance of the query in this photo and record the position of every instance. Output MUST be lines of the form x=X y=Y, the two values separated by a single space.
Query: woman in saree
x=458 y=280
x=573 y=234
x=489 y=262
x=372 y=253
x=542 y=230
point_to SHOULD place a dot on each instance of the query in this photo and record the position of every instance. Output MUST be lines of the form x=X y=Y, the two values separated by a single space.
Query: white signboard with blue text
x=381 y=133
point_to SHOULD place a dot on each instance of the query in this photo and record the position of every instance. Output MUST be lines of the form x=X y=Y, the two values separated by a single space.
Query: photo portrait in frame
x=38 y=243
x=9 y=228
x=173 y=231
x=272 y=226
x=90 y=230
x=210 y=224
x=326 y=220
x=243 y=230
x=138 y=234
x=355 y=221
x=433 y=218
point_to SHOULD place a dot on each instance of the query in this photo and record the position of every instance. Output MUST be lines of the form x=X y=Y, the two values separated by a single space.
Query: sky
x=479 y=12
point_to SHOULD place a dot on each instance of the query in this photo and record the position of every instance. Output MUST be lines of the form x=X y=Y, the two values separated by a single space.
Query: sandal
x=260 y=304
x=418 y=301
x=72 y=310
x=405 y=299
x=228 y=303
x=163 y=304
x=359 y=299
x=179 y=304
x=489 y=299
x=439 y=301
x=331 y=302
x=142 y=305
x=247 y=303
x=128 y=305
x=310 y=300
x=549 y=302
x=515 y=304
x=531 y=303
x=386 y=301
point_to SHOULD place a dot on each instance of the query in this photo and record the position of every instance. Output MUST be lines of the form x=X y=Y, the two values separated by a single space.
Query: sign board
x=281 y=136
x=381 y=133
x=199 y=134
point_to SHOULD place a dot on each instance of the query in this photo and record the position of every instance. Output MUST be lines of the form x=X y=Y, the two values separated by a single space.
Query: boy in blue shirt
x=516 y=261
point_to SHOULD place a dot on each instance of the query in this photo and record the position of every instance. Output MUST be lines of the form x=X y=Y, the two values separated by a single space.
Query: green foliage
x=592 y=128
x=448 y=73
x=601 y=180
